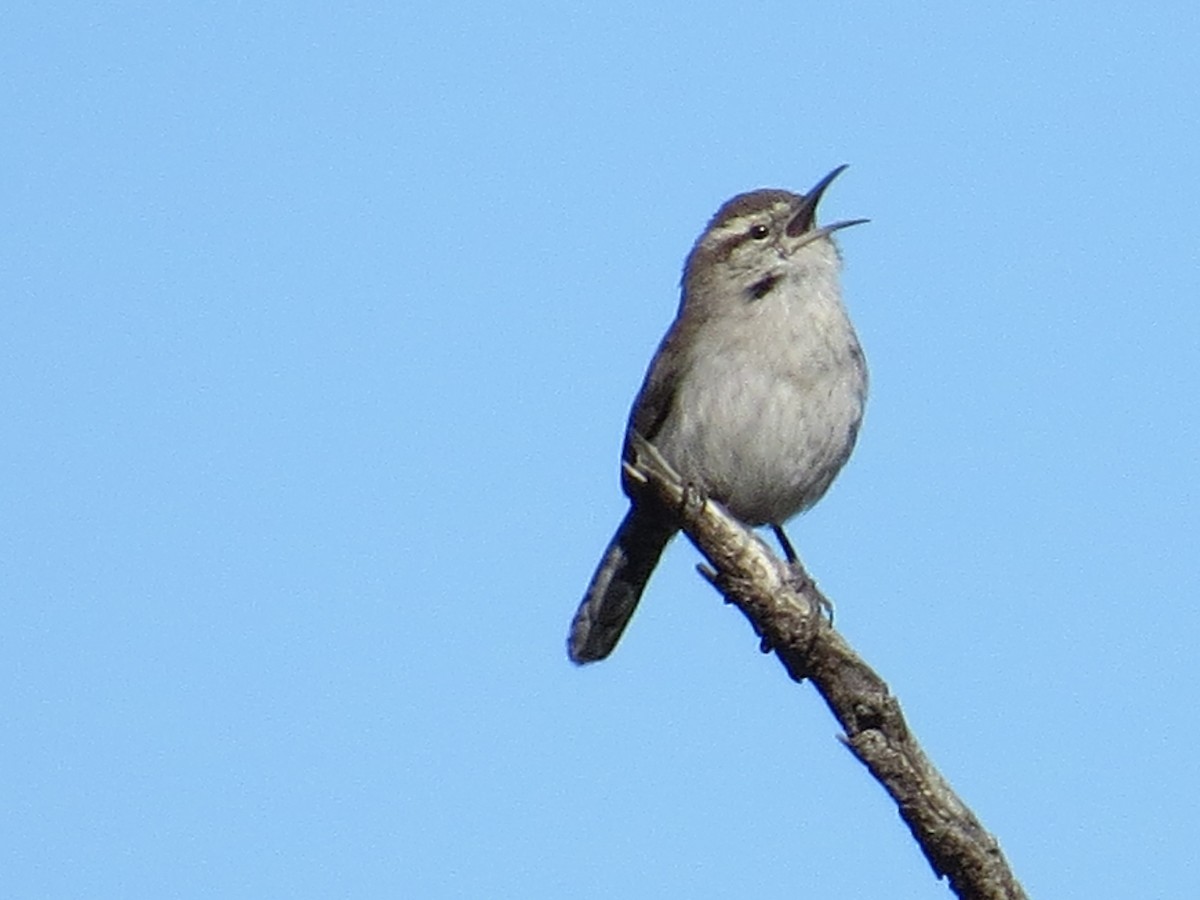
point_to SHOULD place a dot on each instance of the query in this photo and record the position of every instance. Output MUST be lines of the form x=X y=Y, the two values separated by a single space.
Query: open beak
x=803 y=222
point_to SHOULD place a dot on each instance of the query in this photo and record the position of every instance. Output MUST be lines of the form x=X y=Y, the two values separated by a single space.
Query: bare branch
x=786 y=609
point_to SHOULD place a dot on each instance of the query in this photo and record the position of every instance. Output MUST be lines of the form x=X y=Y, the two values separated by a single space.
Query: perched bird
x=755 y=394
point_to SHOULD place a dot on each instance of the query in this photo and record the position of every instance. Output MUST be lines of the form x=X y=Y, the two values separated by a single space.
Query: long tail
x=617 y=585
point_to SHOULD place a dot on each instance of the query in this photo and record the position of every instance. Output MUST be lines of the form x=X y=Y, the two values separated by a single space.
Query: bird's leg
x=801 y=581
x=789 y=552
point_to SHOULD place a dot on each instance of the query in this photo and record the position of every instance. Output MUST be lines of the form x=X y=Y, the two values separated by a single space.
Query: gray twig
x=787 y=612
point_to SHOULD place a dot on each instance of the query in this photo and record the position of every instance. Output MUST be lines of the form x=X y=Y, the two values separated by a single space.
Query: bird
x=755 y=395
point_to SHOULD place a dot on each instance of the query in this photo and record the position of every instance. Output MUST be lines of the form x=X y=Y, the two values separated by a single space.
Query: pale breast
x=765 y=425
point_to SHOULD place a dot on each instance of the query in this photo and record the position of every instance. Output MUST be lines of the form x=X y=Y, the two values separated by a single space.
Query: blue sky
x=318 y=330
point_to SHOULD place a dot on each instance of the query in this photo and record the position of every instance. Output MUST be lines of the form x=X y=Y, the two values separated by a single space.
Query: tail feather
x=617 y=585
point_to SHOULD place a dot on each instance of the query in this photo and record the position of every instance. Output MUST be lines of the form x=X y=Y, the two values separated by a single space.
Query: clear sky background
x=318 y=330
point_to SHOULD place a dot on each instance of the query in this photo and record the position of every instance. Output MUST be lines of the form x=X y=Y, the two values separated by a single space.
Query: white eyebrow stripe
x=739 y=224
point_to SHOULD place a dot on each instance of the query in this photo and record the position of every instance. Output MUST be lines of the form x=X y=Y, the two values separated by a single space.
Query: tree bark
x=786 y=610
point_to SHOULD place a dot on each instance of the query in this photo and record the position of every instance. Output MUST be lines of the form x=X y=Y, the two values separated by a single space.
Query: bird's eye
x=758 y=232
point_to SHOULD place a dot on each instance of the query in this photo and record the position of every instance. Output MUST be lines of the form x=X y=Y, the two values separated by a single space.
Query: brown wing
x=654 y=400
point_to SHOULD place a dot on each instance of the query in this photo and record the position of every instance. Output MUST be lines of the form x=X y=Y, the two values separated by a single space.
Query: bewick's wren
x=754 y=396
